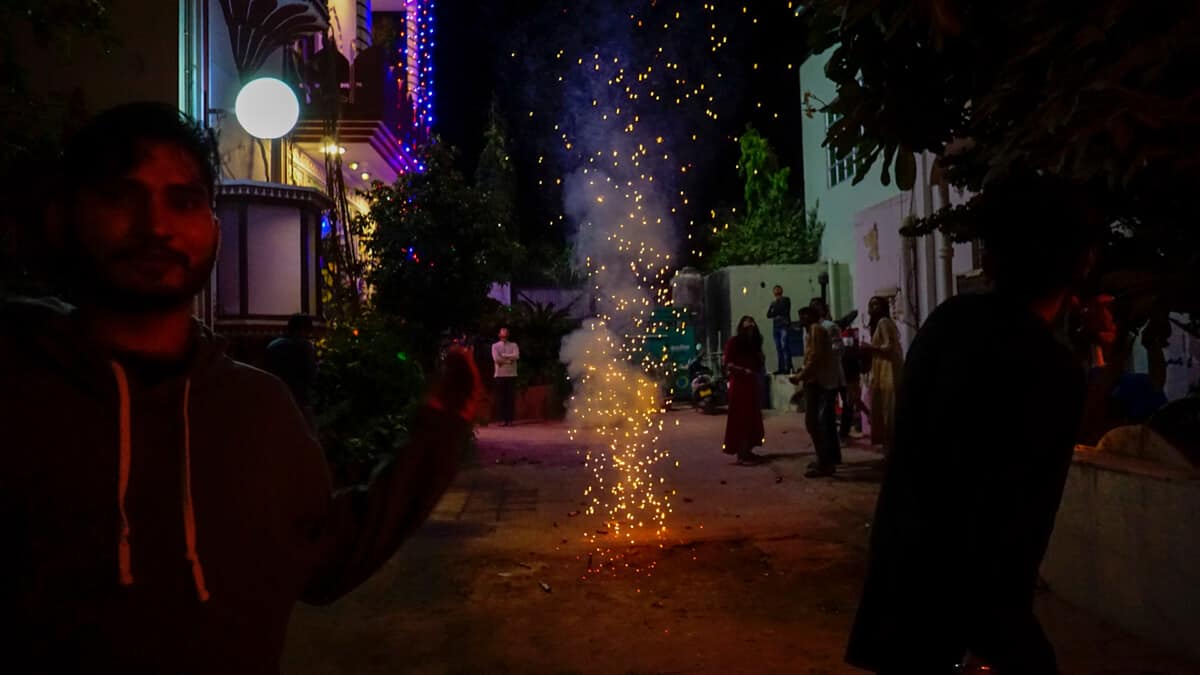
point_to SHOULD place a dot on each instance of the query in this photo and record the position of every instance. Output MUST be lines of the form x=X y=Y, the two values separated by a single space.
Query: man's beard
x=93 y=284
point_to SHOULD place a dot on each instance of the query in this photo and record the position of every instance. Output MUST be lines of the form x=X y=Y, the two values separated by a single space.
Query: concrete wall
x=1126 y=547
x=733 y=292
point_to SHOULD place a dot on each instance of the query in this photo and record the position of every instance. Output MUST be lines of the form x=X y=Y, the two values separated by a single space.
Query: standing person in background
x=780 y=314
x=852 y=397
x=293 y=359
x=505 y=355
x=822 y=378
x=887 y=366
x=745 y=364
x=825 y=316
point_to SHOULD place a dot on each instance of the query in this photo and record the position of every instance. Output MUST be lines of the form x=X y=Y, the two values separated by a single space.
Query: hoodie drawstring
x=124 y=558
x=124 y=555
x=189 y=514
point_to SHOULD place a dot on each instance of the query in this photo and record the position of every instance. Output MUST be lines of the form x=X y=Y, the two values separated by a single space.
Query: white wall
x=228 y=273
x=273 y=247
x=749 y=291
x=1125 y=547
x=836 y=204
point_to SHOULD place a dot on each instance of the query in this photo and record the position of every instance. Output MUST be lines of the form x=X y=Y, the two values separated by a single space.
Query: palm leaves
x=258 y=27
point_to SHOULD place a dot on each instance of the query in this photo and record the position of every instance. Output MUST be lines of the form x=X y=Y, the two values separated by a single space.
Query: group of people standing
x=167 y=506
x=978 y=430
x=831 y=372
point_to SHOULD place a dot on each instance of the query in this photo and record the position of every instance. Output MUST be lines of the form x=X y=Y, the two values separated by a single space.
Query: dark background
x=474 y=62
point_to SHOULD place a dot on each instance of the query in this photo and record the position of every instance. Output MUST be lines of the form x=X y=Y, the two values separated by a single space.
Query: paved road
x=759 y=573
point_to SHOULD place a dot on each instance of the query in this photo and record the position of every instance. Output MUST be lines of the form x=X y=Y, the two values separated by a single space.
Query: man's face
x=146 y=240
x=504 y=335
x=778 y=291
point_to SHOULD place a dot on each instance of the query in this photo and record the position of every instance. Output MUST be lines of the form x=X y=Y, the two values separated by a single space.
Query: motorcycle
x=707 y=392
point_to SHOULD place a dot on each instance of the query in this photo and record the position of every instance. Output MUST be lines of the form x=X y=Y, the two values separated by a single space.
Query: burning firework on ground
x=620 y=408
x=636 y=104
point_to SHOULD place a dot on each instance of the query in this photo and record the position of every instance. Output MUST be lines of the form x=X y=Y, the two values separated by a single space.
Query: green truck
x=668 y=343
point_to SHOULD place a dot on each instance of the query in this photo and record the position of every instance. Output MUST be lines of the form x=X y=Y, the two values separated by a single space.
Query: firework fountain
x=636 y=106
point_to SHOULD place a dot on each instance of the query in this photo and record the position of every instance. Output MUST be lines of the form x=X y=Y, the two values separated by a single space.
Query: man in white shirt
x=505 y=355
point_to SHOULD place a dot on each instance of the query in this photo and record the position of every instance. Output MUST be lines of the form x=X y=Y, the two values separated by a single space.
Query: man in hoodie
x=167 y=506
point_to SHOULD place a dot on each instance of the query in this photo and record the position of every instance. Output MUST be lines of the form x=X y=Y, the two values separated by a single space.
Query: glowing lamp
x=267 y=108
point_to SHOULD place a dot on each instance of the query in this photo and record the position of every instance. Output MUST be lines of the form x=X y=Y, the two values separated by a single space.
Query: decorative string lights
x=422 y=28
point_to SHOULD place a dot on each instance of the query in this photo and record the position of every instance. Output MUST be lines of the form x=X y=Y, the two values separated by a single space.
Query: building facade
x=863 y=222
x=362 y=72
x=862 y=230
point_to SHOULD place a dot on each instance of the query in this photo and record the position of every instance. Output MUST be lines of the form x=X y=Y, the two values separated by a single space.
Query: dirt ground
x=760 y=573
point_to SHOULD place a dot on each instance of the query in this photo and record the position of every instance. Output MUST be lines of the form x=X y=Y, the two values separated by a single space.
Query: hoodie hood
x=50 y=328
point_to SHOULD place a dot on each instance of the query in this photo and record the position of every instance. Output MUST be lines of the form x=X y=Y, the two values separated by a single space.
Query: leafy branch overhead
x=774 y=227
x=1101 y=93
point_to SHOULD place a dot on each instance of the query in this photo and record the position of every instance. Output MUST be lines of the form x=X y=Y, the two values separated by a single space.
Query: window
x=838 y=169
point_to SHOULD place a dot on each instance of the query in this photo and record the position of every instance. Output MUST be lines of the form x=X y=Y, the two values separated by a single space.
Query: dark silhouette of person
x=745 y=365
x=987 y=416
x=852 y=368
x=165 y=505
x=293 y=359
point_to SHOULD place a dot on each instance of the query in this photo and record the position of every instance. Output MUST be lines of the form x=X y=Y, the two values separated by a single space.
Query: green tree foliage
x=775 y=228
x=436 y=244
x=495 y=174
x=368 y=387
x=1099 y=93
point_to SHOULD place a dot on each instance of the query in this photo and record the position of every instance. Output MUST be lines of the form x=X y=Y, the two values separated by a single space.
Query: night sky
x=516 y=51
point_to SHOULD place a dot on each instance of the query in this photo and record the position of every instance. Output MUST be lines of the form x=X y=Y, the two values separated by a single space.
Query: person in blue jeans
x=780 y=314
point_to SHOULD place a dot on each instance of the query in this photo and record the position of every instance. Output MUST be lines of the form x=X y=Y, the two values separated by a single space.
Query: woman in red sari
x=744 y=363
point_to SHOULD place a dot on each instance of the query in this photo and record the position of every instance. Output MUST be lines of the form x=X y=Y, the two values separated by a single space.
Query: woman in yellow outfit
x=887 y=366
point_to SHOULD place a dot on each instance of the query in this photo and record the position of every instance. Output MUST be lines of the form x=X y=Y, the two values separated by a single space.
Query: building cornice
x=259 y=191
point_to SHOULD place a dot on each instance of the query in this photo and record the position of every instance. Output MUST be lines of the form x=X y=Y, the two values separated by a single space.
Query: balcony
x=375 y=129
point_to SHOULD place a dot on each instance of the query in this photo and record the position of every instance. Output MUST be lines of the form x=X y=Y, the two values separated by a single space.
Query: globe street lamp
x=267 y=108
